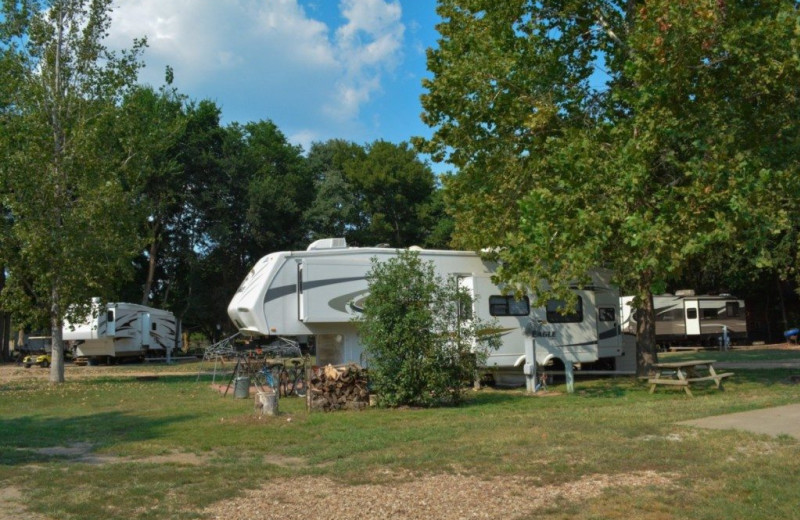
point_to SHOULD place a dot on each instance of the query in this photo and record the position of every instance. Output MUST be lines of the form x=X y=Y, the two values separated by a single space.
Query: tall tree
x=395 y=190
x=70 y=218
x=253 y=205
x=638 y=135
x=379 y=193
x=280 y=186
x=150 y=129
x=336 y=210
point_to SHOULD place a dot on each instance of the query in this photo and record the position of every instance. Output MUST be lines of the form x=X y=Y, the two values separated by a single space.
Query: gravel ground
x=441 y=497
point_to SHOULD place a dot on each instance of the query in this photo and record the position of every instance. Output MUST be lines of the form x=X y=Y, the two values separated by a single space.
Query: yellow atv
x=43 y=360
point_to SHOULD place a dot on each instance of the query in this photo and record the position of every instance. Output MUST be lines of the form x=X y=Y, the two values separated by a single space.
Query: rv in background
x=122 y=330
x=690 y=319
x=318 y=292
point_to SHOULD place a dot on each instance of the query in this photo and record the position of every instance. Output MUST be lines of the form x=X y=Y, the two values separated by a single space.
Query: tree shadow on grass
x=612 y=389
x=25 y=435
x=765 y=377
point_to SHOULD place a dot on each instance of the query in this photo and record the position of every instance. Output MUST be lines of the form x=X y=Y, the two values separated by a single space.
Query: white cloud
x=268 y=59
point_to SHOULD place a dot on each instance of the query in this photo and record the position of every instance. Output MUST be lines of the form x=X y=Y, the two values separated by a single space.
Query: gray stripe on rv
x=273 y=293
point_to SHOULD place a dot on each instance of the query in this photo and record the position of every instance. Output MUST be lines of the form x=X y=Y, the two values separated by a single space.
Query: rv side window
x=691 y=314
x=153 y=326
x=464 y=306
x=709 y=314
x=555 y=311
x=606 y=314
x=732 y=309
x=669 y=315
x=509 y=306
x=110 y=316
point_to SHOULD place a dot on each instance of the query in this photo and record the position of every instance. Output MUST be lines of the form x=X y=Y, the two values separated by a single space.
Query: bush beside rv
x=123 y=330
x=319 y=292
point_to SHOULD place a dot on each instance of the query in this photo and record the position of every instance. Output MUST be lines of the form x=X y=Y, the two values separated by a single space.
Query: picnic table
x=683 y=374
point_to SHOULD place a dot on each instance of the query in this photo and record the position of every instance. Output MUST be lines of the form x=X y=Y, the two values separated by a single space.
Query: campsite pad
x=781 y=420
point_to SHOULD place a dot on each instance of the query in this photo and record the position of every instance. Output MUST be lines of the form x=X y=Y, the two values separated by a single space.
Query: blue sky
x=319 y=69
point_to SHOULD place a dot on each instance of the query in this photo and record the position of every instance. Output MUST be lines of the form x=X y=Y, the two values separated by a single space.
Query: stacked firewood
x=342 y=387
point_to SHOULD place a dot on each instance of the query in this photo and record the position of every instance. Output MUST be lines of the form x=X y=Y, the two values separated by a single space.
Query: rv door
x=111 y=321
x=146 y=329
x=467 y=283
x=692 y=314
x=608 y=323
x=301 y=304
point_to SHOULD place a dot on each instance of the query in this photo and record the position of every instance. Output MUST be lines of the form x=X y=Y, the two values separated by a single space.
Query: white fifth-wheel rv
x=686 y=318
x=118 y=330
x=318 y=292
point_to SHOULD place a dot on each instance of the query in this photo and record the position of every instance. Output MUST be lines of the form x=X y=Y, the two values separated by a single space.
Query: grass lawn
x=170 y=446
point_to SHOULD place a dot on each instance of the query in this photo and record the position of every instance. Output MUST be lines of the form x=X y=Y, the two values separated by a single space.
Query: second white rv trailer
x=318 y=292
x=686 y=318
x=117 y=330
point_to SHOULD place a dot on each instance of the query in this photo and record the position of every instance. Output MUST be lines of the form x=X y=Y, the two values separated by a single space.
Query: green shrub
x=419 y=334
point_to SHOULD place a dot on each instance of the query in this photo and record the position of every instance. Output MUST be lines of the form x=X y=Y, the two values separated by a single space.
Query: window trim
x=502 y=305
x=554 y=316
x=603 y=314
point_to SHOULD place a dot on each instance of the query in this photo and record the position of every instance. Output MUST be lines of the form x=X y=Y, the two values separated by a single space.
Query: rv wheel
x=45 y=364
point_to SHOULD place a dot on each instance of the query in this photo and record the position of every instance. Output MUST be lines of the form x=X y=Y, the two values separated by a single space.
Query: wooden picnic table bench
x=684 y=374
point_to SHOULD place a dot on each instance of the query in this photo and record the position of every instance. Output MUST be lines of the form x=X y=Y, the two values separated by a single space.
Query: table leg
x=713 y=373
x=682 y=376
x=653 y=385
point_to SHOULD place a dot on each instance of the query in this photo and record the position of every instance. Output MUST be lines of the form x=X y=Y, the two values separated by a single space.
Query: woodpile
x=342 y=387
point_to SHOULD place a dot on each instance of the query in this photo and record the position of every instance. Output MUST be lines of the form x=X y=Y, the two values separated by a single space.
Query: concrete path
x=781 y=420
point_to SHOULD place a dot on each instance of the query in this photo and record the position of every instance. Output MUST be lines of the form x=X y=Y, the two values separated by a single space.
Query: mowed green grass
x=168 y=447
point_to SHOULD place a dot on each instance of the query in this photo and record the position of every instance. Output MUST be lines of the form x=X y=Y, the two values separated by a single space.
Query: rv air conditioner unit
x=328 y=243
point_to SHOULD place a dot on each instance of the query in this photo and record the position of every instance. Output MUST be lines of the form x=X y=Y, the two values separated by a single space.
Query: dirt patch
x=82 y=452
x=12 y=505
x=408 y=496
x=284 y=461
x=13 y=372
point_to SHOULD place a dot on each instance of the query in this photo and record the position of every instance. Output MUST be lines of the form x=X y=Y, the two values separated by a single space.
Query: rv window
x=153 y=326
x=709 y=314
x=669 y=315
x=509 y=306
x=606 y=314
x=732 y=309
x=691 y=314
x=555 y=311
x=110 y=316
x=464 y=306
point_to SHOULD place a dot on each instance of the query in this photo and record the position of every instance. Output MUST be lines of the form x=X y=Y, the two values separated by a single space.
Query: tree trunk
x=5 y=336
x=782 y=303
x=5 y=323
x=56 y=339
x=646 y=348
x=151 y=268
